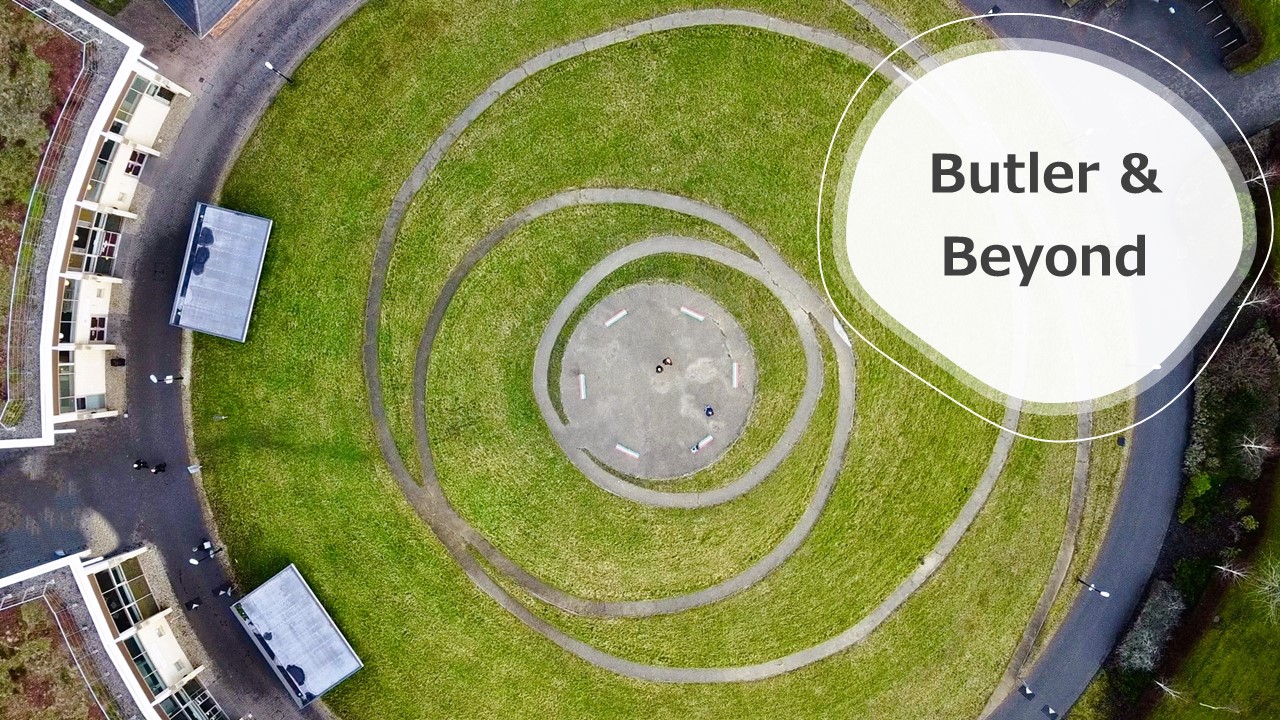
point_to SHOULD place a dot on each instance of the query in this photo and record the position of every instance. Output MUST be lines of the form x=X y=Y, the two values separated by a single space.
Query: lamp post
x=272 y=68
x=1093 y=588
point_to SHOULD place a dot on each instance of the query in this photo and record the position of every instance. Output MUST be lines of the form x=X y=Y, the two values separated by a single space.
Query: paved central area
x=657 y=381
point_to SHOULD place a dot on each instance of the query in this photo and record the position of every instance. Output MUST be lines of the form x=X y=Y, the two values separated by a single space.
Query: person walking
x=140 y=464
x=159 y=468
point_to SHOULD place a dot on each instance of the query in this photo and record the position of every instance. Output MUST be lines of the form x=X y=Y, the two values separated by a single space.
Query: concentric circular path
x=467 y=546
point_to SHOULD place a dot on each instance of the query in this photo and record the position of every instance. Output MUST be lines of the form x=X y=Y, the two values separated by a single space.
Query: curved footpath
x=1148 y=496
x=84 y=490
x=460 y=539
x=87 y=477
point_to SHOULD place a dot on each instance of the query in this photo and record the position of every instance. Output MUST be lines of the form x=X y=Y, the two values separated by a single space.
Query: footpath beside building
x=125 y=640
x=104 y=141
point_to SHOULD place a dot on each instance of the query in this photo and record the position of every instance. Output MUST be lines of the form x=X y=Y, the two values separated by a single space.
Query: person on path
x=709 y=411
x=159 y=468
x=140 y=464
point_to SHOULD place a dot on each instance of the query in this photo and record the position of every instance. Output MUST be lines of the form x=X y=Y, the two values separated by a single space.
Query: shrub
x=1235 y=417
x=1140 y=650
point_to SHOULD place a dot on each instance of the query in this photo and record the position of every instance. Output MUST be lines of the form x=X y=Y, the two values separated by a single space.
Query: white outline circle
x=1014 y=431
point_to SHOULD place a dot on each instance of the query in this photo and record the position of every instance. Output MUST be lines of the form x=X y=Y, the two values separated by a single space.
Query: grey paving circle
x=639 y=373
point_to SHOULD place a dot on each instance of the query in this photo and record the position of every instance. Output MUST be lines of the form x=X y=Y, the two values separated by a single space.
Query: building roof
x=201 y=15
x=296 y=635
x=220 y=272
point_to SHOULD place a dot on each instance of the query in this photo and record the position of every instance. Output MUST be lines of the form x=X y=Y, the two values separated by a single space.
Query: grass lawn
x=1234 y=662
x=1107 y=464
x=110 y=7
x=737 y=118
x=1264 y=15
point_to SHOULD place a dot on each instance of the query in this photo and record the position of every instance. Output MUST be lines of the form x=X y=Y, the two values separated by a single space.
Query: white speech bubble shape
x=1054 y=342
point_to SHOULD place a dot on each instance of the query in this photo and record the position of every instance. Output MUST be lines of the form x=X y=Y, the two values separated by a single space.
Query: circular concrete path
x=464 y=543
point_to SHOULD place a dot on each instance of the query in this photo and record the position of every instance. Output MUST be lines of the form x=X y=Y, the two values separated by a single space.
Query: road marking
x=582 y=386
x=692 y=314
x=616 y=317
x=627 y=451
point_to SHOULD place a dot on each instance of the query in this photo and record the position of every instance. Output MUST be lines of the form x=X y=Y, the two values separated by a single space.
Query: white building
x=127 y=137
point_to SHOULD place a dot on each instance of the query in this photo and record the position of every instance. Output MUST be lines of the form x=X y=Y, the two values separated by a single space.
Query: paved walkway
x=83 y=491
x=789 y=288
x=464 y=543
x=1061 y=565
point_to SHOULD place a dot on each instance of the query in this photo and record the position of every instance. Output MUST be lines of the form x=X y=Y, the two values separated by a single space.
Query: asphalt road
x=1149 y=494
x=84 y=488
x=1125 y=561
x=1181 y=36
x=83 y=491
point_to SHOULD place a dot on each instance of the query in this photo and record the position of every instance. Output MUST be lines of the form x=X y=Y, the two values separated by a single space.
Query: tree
x=1266 y=586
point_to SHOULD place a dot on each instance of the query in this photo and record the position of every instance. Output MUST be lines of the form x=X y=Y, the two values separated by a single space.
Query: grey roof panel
x=220 y=272
x=294 y=633
x=201 y=15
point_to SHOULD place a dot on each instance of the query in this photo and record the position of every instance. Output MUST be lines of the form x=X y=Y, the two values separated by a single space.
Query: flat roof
x=295 y=634
x=220 y=272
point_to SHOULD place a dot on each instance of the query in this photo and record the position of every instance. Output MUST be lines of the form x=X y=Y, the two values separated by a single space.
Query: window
x=101 y=165
x=93 y=248
x=67 y=320
x=136 y=161
x=139 y=87
x=192 y=702
x=66 y=381
x=98 y=328
x=145 y=667
x=128 y=597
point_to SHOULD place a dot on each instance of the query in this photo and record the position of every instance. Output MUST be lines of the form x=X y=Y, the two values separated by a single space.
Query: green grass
x=1233 y=662
x=737 y=118
x=501 y=468
x=1107 y=465
x=1264 y=15
x=917 y=17
x=110 y=7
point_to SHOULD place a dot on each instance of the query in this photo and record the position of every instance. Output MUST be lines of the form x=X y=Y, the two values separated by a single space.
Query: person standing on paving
x=139 y=464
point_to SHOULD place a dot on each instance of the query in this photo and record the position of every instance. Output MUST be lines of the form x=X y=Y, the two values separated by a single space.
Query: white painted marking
x=843 y=335
x=704 y=442
x=696 y=316
x=582 y=386
x=616 y=317
x=627 y=451
x=735 y=375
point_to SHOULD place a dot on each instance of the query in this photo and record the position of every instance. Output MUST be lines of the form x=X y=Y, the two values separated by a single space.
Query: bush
x=1140 y=650
x=1236 y=413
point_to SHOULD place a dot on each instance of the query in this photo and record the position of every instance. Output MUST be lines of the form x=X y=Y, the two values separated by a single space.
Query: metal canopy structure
x=220 y=272
x=295 y=634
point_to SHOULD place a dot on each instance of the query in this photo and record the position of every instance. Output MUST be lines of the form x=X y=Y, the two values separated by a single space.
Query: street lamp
x=1093 y=588
x=272 y=68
